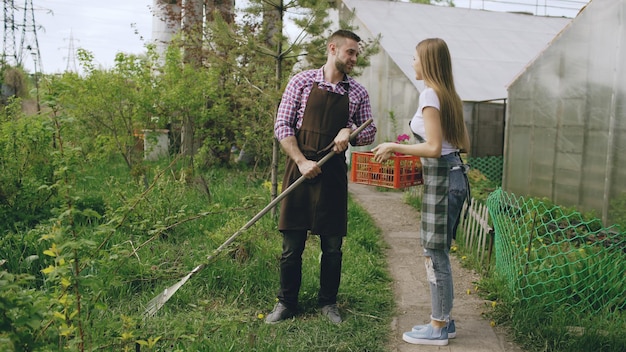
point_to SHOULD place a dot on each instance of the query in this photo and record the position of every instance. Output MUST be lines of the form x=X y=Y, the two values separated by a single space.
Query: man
x=319 y=108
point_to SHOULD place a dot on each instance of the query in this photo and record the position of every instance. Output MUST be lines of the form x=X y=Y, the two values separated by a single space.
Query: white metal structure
x=163 y=30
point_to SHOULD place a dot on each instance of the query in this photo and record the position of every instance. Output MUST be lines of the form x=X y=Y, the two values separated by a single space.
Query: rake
x=157 y=302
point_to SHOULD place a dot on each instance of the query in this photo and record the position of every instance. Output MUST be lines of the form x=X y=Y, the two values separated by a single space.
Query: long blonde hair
x=437 y=73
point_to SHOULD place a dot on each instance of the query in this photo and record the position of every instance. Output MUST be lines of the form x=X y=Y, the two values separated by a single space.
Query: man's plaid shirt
x=293 y=102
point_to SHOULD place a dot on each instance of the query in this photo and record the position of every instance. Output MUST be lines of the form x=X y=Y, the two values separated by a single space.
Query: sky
x=108 y=27
x=101 y=27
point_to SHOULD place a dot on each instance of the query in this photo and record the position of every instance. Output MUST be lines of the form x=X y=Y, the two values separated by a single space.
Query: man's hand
x=309 y=169
x=342 y=140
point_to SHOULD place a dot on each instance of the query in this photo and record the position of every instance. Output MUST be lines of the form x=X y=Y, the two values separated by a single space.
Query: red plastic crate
x=399 y=172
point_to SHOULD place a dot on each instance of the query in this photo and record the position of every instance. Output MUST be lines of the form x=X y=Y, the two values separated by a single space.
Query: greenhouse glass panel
x=569 y=106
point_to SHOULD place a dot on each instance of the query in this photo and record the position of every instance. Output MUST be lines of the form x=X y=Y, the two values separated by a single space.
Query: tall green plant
x=25 y=145
x=22 y=311
x=68 y=245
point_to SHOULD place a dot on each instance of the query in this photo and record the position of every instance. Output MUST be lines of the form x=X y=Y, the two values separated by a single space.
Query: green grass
x=146 y=240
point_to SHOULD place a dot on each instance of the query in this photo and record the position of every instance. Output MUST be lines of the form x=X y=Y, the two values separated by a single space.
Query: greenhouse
x=566 y=117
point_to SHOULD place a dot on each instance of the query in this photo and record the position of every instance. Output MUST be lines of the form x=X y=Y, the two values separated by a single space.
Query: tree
x=109 y=106
x=189 y=14
x=13 y=82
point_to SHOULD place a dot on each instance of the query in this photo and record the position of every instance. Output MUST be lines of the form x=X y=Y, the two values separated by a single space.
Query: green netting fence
x=490 y=166
x=557 y=260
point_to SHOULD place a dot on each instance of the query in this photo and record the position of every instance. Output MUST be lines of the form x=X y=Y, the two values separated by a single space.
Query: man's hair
x=342 y=34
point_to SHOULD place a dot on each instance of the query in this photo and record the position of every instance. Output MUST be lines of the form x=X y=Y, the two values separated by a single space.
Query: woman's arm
x=429 y=149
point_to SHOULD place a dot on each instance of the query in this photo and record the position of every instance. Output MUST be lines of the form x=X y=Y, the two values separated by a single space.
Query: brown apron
x=320 y=204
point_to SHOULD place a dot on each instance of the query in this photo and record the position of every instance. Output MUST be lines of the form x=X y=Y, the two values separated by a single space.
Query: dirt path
x=400 y=225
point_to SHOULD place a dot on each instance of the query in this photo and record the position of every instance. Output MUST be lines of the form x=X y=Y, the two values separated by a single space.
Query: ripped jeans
x=439 y=275
x=438 y=269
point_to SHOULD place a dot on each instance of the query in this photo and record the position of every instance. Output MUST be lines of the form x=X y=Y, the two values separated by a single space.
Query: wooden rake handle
x=157 y=302
x=283 y=194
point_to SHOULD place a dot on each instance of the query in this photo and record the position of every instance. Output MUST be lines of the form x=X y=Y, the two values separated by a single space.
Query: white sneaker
x=427 y=336
x=451 y=328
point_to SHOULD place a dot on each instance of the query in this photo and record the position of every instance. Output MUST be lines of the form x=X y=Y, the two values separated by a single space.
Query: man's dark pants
x=291 y=268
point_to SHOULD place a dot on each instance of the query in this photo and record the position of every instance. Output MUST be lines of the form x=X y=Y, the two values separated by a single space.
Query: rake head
x=157 y=302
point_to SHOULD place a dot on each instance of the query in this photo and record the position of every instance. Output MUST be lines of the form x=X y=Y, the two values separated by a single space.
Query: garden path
x=399 y=223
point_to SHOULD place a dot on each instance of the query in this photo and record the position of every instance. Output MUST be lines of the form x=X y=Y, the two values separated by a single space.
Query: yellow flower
x=463 y=257
x=492 y=323
x=453 y=249
x=268 y=185
x=469 y=292
x=260 y=316
x=493 y=304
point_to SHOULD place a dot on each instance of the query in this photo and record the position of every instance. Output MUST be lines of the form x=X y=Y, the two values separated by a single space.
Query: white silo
x=166 y=23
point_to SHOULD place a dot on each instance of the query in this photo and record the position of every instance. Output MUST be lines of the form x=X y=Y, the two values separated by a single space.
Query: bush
x=25 y=146
x=22 y=312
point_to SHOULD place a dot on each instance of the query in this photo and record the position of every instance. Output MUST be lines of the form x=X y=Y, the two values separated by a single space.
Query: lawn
x=82 y=280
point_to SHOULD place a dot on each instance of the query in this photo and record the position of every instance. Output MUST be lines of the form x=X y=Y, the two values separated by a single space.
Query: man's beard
x=342 y=66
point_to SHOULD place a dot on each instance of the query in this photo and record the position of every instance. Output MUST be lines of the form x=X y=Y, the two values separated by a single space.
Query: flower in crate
x=402 y=139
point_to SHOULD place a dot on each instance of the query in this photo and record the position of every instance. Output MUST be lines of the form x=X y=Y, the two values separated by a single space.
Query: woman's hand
x=383 y=151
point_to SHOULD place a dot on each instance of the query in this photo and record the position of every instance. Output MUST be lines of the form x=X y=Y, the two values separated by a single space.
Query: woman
x=438 y=126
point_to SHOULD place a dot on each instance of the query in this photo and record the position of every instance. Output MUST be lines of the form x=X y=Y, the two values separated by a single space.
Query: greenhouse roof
x=489 y=49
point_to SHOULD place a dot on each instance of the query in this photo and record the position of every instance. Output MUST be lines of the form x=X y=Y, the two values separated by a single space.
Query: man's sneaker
x=332 y=312
x=451 y=328
x=427 y=336
x=280 y=313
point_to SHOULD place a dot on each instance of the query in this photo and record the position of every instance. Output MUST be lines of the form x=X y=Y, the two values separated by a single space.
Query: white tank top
x=428 y=98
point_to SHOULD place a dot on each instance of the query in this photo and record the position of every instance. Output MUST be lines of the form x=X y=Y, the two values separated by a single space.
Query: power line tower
x=28 y=45
x=9 y=54
x=29 y=41
x=71 y=56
